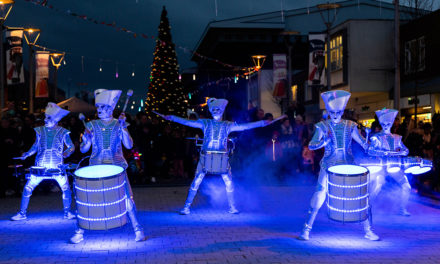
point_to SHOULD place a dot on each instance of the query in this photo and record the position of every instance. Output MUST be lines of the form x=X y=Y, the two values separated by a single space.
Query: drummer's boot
x=138 y=230
x=231 y=202
x=189 y=200
x=406 y=190
x=27 y=192
x=78 y=237
x=369 y=234
x=67 y=200
x=308 y=225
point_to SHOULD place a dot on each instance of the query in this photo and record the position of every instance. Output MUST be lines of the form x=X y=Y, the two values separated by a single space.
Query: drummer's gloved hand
x=121 y=120
x=87 y=136
x=24 y=156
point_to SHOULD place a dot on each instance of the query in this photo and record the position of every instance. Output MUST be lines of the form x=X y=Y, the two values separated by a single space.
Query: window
x=336 y=53
x=415 y=55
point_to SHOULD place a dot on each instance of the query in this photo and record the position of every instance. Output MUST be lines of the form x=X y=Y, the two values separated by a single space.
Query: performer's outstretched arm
x=70 y=146
x=183 y=121
x=262 y=123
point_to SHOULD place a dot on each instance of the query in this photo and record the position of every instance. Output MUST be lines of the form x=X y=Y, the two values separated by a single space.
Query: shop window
x=414 y=55
x=336 y=48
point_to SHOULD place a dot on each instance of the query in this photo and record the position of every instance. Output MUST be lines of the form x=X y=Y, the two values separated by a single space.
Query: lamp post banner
x=14 y=56
x=316 y=59
x=279 y=75
x=41 y=74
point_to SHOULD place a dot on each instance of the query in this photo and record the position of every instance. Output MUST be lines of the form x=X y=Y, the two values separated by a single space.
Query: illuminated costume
x=387 y=145
x=49 y=146
x=105 y=135
x=335 y=135
x=215 y=138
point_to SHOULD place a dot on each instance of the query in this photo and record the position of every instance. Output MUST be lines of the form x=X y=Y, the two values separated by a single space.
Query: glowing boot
x=78 y=237
x=305 y=232
x=308 y=225
x=189 y=200
x=369 y=234
x=23 y=207
x=19 y=216
x=231 y=202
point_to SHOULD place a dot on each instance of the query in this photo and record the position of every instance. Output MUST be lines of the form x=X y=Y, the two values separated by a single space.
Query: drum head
x=421 y=170
x=374 y=169
x=393 y=169
x=412 y=169
x=37 y=168
x=98 y=171
x=347 y=169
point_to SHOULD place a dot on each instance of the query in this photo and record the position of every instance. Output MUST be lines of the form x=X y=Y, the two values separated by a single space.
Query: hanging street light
x=5 y=9
x=31 y=36
x=258 y=61
x=328 y=24
x=56 y=59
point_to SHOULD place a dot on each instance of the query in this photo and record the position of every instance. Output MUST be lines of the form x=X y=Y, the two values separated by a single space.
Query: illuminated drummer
x=385 y=144
x=105 y=136
x=214 y=149
x=49 y=146
x=335 y=134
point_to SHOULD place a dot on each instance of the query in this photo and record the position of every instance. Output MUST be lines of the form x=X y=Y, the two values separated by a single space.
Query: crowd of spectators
x=165 y=153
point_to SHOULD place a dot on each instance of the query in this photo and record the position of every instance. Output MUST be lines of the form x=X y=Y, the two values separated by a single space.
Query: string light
x=103 y=218
x=132 y=73
x=102 y=204
x=101 y=190
x=117 y=73
x=348 y=211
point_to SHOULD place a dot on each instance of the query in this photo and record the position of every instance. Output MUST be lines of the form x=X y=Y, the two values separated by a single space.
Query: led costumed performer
x=105 y=136
x=49 y=145
x=385 y=144
x=215 y=138
x=336 y=136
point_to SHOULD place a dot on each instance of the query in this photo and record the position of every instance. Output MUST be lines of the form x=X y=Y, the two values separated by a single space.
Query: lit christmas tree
x=165 y=92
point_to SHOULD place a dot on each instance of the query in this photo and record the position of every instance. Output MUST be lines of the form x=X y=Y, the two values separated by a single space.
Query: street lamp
x=56 y=59
x=258 y=61
x=328 y=23
x=31 y=36
x=288 y=43
x=5 y=8
x=258 y=64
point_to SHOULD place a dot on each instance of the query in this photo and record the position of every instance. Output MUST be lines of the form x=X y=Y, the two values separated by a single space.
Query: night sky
x=101 y=45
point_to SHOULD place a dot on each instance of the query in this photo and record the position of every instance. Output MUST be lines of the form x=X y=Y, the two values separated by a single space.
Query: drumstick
x=82 y=118
x=129 y=94
x=279 y=118
x=158 y=114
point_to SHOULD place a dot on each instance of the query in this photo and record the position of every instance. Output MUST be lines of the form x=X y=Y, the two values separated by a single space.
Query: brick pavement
x=265 y=231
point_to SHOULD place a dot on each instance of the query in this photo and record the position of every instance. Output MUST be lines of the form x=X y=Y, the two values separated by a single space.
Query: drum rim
x=348 y=175
x=99 y=178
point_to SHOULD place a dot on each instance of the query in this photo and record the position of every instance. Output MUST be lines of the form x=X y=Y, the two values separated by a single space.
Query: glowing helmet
x=220 y=103
x=107 y=97
x=55 y=111
x=386 y=115
x=335 y=100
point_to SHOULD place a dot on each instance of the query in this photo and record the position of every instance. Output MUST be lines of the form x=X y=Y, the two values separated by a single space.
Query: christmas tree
x=165 y=92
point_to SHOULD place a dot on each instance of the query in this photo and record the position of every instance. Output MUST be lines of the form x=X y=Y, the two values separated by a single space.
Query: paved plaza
x=264 y=232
